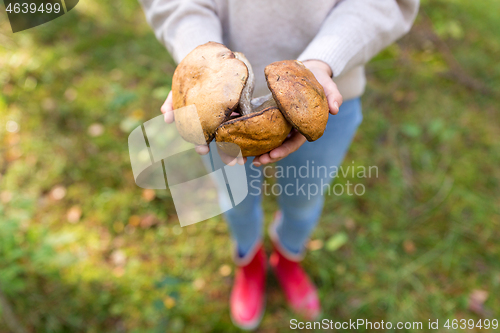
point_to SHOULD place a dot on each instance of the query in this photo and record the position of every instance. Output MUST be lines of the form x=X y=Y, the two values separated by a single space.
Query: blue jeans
x=302 y=179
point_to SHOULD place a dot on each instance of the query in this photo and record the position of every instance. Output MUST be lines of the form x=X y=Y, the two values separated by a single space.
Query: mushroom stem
x=262 y=102
x=247 y=104
x=246 y=94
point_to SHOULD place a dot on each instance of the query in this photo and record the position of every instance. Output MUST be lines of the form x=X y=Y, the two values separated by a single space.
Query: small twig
x=8 y=315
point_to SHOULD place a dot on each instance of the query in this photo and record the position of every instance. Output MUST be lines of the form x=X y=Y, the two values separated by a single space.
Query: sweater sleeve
x=356 y=30
x=182 y=25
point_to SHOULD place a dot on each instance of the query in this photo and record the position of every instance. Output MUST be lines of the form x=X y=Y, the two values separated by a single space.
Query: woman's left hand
x=323 y=74
x=293 y=142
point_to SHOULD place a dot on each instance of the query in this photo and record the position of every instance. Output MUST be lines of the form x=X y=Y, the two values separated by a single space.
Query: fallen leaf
x=95 y=130
x=5 y=196
x=476 y=301
x=148 y=221
x=118 y=226
x=198 y=284
x=74 y=213
x=169 y=302
x=315 y=244
x=118 y=271
x=148 y=194
x=337 y=241
x=118 y=258
x=350 y=224
x=225 y=270
x=58 y=192
x=134 y=220
x=409 y=246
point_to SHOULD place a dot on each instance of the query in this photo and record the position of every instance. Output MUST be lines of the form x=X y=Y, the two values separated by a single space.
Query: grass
x=83 y=249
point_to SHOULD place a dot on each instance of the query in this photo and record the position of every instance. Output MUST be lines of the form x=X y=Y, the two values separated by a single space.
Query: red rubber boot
x=300 y=292
x=247 y=297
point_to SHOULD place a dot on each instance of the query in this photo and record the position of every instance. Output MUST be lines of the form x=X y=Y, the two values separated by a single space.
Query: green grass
x=414 y=247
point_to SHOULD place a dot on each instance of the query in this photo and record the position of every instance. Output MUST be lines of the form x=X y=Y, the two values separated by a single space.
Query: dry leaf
x=350 y=224
x=118 y=271
x=198 y=284
x=5 y=196
x=148 y=195
x=476 y=301
x=118 y=226
x=409 y=246
x=169 y=302
x=58 y=192
x=95 y=130
x=118 y=258
x=148 y=221
x=74 y=213
x=134 y=220
x=315 y=244
x=225 y=270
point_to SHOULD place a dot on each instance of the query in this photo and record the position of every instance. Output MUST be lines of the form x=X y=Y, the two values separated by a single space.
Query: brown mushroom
x=255 y=134
x=299 y=96
x=260 y=128
x=212 y=82
x=212 y=79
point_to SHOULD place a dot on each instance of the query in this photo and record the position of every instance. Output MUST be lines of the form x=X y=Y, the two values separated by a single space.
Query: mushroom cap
x=299 y=96
x=212 y=79
x=255 y=134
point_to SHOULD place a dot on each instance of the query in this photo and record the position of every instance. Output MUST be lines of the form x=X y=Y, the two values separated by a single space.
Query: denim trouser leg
x=245 y=219
x=303 y=176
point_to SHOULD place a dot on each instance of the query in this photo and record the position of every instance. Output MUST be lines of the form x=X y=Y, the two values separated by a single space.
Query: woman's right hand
x=168 y=114
x=168 y=109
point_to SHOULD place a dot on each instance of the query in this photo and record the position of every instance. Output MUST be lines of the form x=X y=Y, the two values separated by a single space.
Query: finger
x=167 y=109
x=227 y=159
x=289 y=146
x=268 y=160
x=256 y=161
x=333 y=97
x=169 y=117
x=241 y=160
x=202 y=149
x=265 y=159
x=167 y=105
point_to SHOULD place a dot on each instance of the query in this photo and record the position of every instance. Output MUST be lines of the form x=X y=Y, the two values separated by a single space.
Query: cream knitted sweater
x=345 y=34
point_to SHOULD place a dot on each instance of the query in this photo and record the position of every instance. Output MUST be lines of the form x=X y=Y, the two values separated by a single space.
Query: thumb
x=333 y=96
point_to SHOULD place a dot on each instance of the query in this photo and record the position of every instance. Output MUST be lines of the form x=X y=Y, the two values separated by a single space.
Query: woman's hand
x=292 y=142
x=323 y=74
x=168 y=109
x=168 y=113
